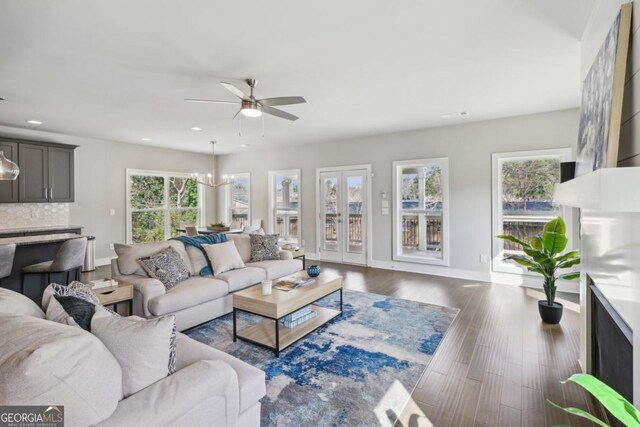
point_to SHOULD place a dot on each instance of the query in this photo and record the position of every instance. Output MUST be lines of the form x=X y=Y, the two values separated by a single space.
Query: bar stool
x=70 y=257
x=7 y=253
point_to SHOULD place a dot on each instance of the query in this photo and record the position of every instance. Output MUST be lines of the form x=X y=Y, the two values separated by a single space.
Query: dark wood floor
x=497 y=364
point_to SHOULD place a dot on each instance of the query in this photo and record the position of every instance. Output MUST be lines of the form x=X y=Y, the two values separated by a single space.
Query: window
x=238 y=200
x=421 y=211
x=284 y=205
x=158 y=203
x=523 y=186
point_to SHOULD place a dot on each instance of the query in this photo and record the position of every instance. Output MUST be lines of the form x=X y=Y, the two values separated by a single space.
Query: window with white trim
x=238 y=199
x=158 y=203
x=421 y=211
x=285 y=204
x=522 y=192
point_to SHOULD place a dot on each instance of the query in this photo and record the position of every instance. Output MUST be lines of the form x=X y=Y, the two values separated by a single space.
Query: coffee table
x=279 y=304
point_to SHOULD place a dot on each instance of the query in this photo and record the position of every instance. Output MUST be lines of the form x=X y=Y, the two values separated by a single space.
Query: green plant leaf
x=617 y=405
x=554 y=243
x=536 y=255
x=580 y=413
x=570 y=276
x=522 y=260
x=572 y=254
x=514 y=240
x=536 y=243
x=555 y=226
x=569 y=263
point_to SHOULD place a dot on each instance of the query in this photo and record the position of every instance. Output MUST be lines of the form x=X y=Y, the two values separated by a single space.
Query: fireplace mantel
x=604 y=190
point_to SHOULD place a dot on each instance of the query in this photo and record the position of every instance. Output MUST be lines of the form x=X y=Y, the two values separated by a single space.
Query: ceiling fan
x=250 y=106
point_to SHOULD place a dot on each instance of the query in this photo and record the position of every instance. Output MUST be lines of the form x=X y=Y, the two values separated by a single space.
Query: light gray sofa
x=47 y=363
x=197 y=299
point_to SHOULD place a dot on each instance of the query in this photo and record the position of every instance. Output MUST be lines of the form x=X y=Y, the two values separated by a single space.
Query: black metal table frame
x=277 y=348
x=115 y=305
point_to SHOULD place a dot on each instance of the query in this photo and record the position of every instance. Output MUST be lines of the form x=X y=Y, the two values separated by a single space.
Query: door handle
x=51 y=192
x=46 y=193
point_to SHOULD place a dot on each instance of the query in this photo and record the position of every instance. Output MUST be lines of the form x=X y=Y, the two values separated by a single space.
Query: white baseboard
x=479 y=276
x=104 y=261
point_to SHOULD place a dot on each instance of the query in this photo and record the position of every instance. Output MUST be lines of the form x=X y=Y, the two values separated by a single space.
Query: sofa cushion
x=198 y=260
x=188 y=293
x=223 y=257
x=243 y=244
x=278 y=268
x=43 y=362
x=128 y=255
x=14 y=303
x=240 y=279
x=251 y=380
x=142 y=347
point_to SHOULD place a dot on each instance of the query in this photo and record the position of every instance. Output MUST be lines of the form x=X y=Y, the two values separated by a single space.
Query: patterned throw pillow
x=166 y=266
x=74 y=289
x=264 y=248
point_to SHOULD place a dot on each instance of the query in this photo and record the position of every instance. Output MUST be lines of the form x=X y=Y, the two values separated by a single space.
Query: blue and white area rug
x=358 y=370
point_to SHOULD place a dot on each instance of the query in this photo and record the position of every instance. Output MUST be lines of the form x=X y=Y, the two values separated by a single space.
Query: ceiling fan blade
x=234 y=90
x=279 y=113
x=210 y=101
x=282 y=100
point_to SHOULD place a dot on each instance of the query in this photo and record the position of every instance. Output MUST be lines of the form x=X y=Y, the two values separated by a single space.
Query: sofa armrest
x=144 y=289
x=202 y=394
x=285 y=255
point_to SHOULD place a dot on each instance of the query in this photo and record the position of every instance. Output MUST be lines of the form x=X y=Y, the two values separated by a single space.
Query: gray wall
x=598 y=26
x=100 y=180
x=469 y=148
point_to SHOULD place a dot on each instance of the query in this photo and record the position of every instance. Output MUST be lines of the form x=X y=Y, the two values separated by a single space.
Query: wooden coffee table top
x=280 y=303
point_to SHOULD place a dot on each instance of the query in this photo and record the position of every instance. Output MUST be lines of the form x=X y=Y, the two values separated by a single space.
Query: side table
x=114 y=295
x=298 y=253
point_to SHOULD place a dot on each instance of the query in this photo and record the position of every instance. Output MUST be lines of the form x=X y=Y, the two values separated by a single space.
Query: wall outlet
x=111 y=246
x=112 y=212
x=483 y=259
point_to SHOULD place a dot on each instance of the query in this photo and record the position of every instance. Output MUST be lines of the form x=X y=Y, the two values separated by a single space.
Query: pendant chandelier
x=208 y=179
x=9 y=171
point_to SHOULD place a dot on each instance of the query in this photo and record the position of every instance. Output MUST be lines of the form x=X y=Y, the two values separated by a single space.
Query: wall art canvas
x=602 y=91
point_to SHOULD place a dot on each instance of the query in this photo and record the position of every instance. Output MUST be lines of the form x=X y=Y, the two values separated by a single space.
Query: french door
x=343 y=216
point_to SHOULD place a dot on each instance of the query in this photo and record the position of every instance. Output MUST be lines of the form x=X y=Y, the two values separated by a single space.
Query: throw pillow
x=15 y=303
x=264 y=248
x=142 y=347
x=166 y=266
x=56 y=313
x=80 y=310
x=224 y=257
x=74 y=289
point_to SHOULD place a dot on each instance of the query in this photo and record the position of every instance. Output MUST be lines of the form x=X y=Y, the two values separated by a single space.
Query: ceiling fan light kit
x=252 y=107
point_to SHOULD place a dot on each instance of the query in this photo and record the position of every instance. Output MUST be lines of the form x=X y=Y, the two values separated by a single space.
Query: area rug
x=358 y=370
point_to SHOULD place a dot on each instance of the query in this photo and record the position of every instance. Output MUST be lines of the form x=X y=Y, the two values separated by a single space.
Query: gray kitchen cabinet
x=61 y=174
x=46 y=172
x=9 y=189
x=33 y=161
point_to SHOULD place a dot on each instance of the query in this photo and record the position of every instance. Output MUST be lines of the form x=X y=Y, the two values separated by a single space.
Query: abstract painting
x=602 y=92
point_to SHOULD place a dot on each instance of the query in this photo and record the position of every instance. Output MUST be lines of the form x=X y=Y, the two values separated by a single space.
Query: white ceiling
x=119 y=69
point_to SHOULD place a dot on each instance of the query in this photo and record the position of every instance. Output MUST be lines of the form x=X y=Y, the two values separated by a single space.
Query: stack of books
x=299 y=317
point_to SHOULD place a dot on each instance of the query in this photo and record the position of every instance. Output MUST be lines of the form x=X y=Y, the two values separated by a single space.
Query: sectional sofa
x=43 y=362
x=197 y=299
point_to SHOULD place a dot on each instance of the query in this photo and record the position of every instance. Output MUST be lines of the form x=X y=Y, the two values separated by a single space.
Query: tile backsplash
x=19 y=215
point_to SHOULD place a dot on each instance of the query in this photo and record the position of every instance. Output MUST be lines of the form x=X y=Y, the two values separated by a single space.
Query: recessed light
x=145 y=139
x=456 y=114
x=196 y=128
x=34 y=122
x=245 y=145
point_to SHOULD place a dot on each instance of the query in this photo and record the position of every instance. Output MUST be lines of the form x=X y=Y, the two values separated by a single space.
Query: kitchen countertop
x=35 y=240
x=36 y=229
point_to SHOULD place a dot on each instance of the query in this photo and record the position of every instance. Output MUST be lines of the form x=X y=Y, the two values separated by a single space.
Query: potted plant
x=543 y=255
